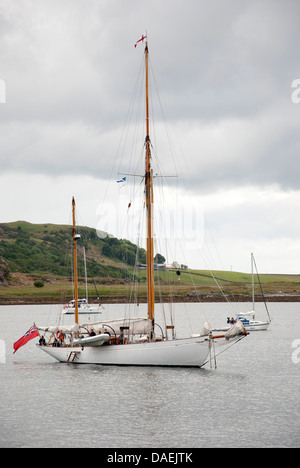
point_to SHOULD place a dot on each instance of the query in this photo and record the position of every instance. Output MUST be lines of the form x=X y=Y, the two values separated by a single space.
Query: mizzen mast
x=149 y=202
x=75 y=237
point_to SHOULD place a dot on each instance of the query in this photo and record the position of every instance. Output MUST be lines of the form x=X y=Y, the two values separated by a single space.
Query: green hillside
x=43 y=252
x=47 y=248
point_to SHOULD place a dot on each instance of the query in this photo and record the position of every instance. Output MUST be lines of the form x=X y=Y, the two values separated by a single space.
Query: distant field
x=211 y=277
x=246 y=278
x=188 y=284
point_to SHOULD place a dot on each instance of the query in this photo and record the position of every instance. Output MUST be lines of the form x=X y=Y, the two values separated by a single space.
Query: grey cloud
x=70 y=69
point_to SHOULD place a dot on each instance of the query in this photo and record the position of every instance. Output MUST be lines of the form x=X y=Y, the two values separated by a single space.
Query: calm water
x=250 y=400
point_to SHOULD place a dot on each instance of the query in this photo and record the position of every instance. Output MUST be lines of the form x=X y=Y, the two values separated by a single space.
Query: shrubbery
x=38 y=284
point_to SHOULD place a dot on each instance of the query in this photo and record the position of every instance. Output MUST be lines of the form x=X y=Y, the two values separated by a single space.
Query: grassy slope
x=47 y=248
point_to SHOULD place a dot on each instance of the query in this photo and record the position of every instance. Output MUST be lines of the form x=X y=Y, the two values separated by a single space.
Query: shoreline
x=166 y=299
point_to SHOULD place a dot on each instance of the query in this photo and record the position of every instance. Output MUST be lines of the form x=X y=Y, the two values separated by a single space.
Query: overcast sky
x=225 y=71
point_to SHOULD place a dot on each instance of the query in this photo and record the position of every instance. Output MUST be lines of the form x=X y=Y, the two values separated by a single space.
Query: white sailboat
x=84 y=307
x=248 y=319
x=133 y=341
x=250 y=323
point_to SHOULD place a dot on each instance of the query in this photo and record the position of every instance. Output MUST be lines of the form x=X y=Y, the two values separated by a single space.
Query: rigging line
x=137 y=136
x=168 y=133
x=208 y=263
x=223 y=350
x=195 y=286
x=126 y=126
x=182 y=252
x=140 y=162
x=261 y=289
x=137 y=106
x=67 y=271
x=211 y=272
x=161 y=220
x=154 y=153
x=135 y=271
x=132 y=199
x=163 y=116
x=226 y=273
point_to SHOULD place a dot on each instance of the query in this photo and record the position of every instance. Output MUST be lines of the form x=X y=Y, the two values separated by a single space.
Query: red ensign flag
x=31 y=333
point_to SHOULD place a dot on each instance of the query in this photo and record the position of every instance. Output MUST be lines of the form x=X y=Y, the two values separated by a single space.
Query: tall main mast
x=149 y=202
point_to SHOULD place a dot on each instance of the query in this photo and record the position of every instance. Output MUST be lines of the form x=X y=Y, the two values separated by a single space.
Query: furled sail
x=130 y=326
x=64 y=329
x=236 y=330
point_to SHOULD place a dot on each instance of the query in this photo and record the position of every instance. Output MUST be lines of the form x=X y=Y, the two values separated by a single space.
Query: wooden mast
x=75 y=237
x=252 y=276
x=149 y=203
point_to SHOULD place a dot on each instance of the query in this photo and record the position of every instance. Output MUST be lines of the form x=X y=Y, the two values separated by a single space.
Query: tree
x=159 y=258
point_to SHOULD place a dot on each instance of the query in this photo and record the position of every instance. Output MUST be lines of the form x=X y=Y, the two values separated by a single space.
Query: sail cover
x=236 y=330
x=130 y=326
x=54 y=329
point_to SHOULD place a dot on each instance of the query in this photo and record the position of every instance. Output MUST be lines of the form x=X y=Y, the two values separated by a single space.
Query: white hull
x=257 y=326
x=87 y=309
x=251 y=324
x=249 y=327
x=190 y=352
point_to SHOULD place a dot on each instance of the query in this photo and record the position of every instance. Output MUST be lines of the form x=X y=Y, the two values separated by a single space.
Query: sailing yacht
x=248 y=319
x=133 y=341
x=84 y=307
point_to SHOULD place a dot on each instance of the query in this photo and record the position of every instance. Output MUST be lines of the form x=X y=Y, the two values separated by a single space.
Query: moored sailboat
x=133 y=341
x=248 y=318
x=84 y=307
